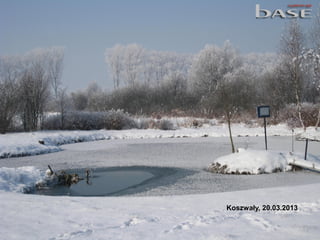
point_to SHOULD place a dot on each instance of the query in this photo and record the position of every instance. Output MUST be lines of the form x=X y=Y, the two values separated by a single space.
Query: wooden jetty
x=315 y=167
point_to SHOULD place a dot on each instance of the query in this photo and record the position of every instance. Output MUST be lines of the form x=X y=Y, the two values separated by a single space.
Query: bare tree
x=234 y=93
x=315 y=56
x=96 y=97
x=310 y=64
x=79 y=100
x=132 y=64
x=55 y=68
x=63 y=104
x=9 y=90
x=291 y=46
x=315 y=31
x=114 y=60
x=34 y=89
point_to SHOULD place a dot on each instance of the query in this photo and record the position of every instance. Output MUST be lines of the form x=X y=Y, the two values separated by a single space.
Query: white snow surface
x=204 y=216
x=255 y=161
x=212 y=216
x=310 y=134
x=24 y=144
x=19 y=179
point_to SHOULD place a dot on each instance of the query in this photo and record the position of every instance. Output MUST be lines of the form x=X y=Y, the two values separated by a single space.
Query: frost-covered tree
x=132 y=64
x=96 y=97
x=63 y=103
x=209 y=69
x=310 y=64
x=55 y=68
x=10 y=72
x=34 y=94
x=234 y=93
x=216 y=74
x=41 y=67
x=315 y=31
x=291 y=46
x=260 y=63
x=25 y=84
x=79 y=100
x=114 y=61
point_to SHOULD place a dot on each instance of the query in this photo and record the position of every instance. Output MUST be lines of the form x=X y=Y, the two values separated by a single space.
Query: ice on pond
x=105 y=181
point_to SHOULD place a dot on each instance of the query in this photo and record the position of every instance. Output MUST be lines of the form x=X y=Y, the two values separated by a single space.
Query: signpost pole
x=265 y=133
x=306 y=149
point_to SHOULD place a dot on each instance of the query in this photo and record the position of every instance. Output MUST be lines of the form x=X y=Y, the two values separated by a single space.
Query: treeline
x=28 y=85
x=216 y=82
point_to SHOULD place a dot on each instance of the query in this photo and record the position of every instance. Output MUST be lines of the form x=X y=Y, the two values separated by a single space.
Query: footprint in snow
x=136 y=220
x=260 y=222
x=73 y=235
x=197 y=221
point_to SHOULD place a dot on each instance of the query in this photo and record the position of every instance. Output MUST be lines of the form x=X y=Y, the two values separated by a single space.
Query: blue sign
x=263 y=111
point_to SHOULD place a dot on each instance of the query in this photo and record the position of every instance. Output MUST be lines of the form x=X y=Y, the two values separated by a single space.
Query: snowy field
x=279 y=206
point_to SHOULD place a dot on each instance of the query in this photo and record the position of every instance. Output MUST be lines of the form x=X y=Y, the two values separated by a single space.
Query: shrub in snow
x=143 y=123
x=80 y=120
x=250 y=162
x=309 y=113
x=118 y=120
x=52 y=122
x=166 y=125
x=85 y=121
x=163 y=124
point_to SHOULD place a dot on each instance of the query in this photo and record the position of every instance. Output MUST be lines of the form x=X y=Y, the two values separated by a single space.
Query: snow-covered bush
x=118 y=120
x=76 y=121
x=80 y=120
x=250 y=162
x=143 y=123
x=52 y=122
x=166 y=125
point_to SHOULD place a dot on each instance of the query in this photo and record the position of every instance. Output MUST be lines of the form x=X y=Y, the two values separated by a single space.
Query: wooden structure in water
x=296 y=164
x=314 y=137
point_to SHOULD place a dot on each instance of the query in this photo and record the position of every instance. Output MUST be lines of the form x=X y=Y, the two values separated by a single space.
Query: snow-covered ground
x=175 y=217
x=22 y=144
x=191 y=210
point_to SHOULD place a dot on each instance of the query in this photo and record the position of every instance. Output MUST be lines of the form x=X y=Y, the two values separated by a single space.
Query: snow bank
x=25 y=144
x=19 y=179
x=311 y=134
x=251 y=162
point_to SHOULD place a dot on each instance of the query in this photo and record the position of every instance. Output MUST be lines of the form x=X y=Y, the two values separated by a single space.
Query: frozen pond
x=188 y=157
x=107 y=181
x=156 y=181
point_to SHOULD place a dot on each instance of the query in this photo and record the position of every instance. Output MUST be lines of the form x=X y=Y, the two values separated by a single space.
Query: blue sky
x=87 y=27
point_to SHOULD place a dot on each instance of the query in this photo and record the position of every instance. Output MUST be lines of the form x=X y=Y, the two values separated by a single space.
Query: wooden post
x=306 y=149
x=292 y=147
x=51 y=171
x=265 y=132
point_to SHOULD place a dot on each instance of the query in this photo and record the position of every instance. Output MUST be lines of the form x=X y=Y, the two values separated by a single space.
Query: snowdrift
x=251 y=162
x=19 y=179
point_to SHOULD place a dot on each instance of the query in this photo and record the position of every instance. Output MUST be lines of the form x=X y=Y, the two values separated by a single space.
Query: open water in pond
x=160 y=181
x=106 y=181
